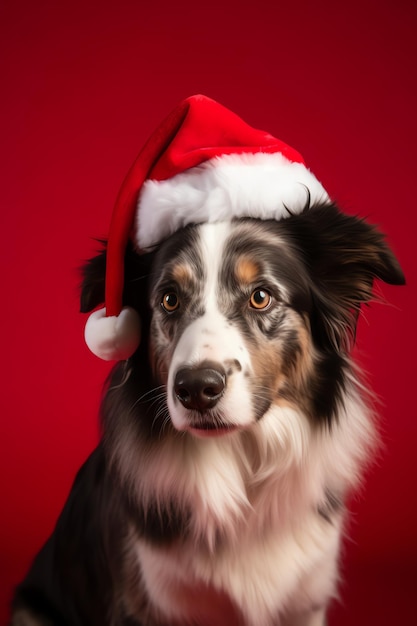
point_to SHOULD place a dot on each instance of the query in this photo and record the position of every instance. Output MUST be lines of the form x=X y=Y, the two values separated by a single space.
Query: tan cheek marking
x=298 y=375
x=267 y=364
x=306 y=361
x=303 y=336
x=246 y=270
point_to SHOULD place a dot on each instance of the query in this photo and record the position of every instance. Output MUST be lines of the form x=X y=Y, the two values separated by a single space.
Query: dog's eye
x=170 y=302
x=260 y=299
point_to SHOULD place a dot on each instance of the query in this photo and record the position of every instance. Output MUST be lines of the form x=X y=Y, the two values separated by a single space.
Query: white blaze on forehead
x=211 y=337
x=201 y=339
x=213 y=238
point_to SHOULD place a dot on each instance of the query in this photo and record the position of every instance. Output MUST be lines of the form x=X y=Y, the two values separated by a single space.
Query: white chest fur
x=252 y=583
x=257 y=548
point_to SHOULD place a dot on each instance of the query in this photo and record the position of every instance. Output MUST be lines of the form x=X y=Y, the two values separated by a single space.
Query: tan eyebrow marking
x=246 y=270
x=182 y=273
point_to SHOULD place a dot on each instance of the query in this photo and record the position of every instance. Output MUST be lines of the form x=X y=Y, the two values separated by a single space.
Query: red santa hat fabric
x=202 y=164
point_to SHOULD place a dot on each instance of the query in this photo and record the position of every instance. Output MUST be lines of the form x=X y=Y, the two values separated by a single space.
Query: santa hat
x=202 y=164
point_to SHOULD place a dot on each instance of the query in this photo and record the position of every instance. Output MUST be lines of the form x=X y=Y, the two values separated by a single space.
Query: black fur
x=73 y=579
x=343 y=255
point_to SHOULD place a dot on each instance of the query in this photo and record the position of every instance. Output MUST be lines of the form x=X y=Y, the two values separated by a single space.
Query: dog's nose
x=200 y=388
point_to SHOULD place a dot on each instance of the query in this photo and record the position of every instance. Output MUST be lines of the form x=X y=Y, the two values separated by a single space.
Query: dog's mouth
x=210 y=428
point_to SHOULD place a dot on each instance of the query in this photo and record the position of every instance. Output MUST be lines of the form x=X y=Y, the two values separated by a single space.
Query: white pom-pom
x=113 y=338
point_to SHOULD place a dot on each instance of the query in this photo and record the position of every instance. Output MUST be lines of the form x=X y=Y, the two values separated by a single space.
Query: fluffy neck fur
x=252 y=481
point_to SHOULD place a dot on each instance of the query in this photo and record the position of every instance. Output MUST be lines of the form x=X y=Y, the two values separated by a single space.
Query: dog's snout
x=200 y=388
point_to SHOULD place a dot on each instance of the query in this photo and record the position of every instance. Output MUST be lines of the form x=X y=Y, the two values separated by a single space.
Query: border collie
x=230 y=439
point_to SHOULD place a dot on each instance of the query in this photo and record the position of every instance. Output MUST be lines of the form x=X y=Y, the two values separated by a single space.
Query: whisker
x=143 y=398
x=162 y=415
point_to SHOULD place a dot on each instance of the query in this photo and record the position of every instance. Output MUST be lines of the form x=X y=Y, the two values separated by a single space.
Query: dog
x=230 y=439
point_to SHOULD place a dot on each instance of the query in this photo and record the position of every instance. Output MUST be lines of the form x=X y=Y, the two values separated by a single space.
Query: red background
x=83 y=85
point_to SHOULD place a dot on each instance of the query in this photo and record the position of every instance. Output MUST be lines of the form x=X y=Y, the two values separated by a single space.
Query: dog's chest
x=255 y=579
x=205 y=606
x=178 y=589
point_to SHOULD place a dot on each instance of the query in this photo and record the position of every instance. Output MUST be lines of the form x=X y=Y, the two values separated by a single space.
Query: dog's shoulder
x=70 y=581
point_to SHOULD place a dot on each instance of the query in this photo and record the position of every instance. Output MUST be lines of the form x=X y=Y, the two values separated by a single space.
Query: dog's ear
x=344 y=255
x=93 y=279
x=136 y=273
